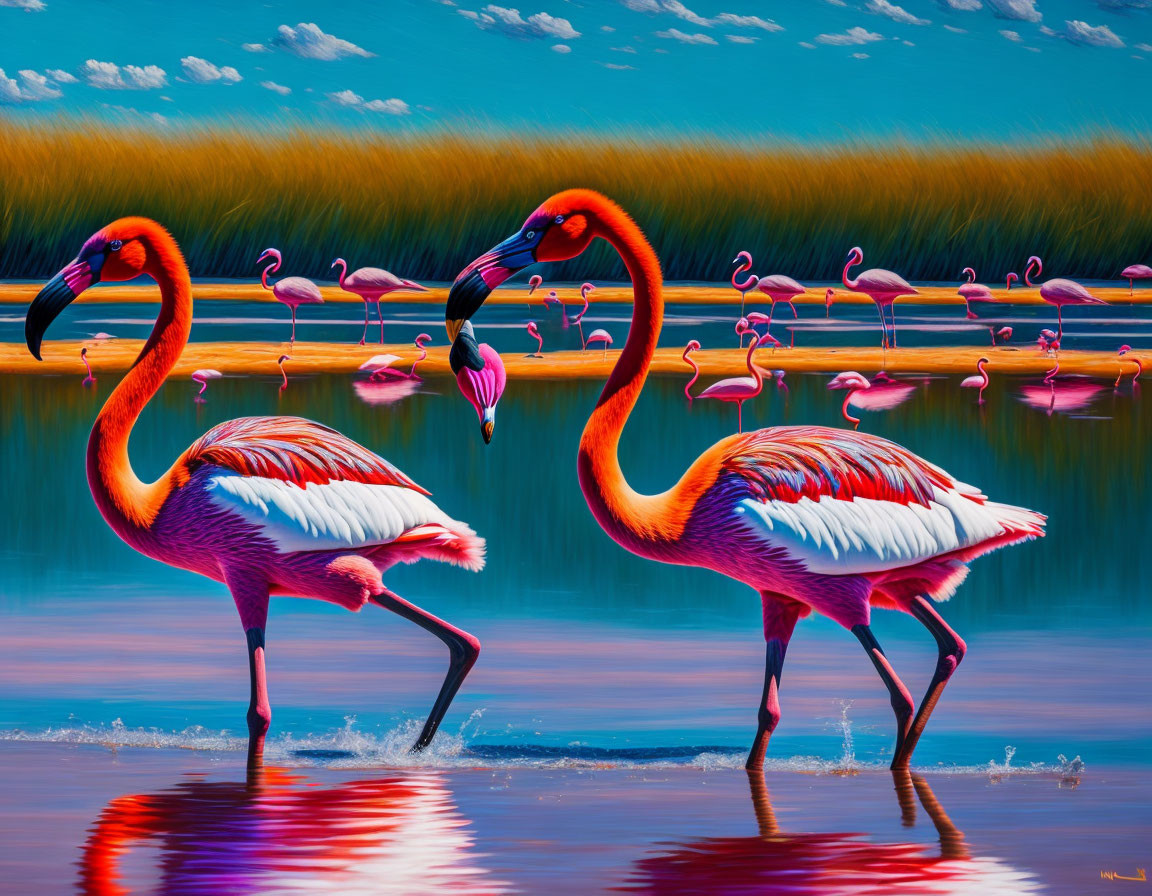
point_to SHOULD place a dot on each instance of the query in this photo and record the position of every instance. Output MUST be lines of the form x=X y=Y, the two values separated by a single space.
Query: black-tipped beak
x=486 y=427
x=475 y=283
x=57 y=294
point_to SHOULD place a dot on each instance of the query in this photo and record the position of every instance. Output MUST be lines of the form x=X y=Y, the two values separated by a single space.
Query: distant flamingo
x=1010 y=279
x=744 y=325
x=1056 y=395
x=603 y=337
x=854 y=383
x=748 y=324
x=692 y=346
x=420 y=343
x=1135 y=272
x=578 y=318
x=883 y=287
x=292 y=291
x=202 y=376
x=829 y=297
x=280 y=363
x=553 y=299
x=534 y=283
x=974 y=292
x=738 y=389
x=266 y=505
x=380 y=367
x=535 y=333
x=750 y=505
x=1060 y=292
x=1122 y=351
x=1051 y=374
x=88 y=380
x=743 y=260
x=781 y=290
x=480 y=376
x=1005 y=334
x=980 y=381
x=372 y=284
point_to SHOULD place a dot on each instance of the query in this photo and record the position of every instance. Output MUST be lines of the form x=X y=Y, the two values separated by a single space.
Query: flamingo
x=883 y=287
x=1005 y=334
x=744 y=325
x=1013 y=277
x=88 y=380
x=280 y=363
x=738 y=389
x=578 y=318
x=853 y=383
x=979 y=381
x=535 y=334
x=601 y=336
x=692 y=346
x=202 y=376
x=419 y=342
x=782 y=290
x=265 y=505
x=534 y=283
x=1135 y=272
x=380 y=368
x=747 y=325
x=1053 y=395
x=1060 y=292
x=292 y=291
x=974 y=292
x=372 y=284
x=1047 y=341
x=480 y=376
x=829 y=297
x=1122 y=351
x=553 y=299
x=894 y=529
x=744 y=262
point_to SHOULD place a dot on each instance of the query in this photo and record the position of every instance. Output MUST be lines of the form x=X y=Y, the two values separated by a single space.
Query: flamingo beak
x=57 y=294
x=475 y=283
x=487 y=424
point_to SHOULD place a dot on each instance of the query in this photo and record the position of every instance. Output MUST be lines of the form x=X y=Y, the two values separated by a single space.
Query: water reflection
x=833 y=863
x=1059 y=396
x=278 y=832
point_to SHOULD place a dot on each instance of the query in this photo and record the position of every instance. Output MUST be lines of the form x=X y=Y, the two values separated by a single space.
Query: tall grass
x=423 y=207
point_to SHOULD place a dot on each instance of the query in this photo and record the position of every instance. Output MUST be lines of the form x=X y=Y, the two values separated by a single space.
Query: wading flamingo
x=743 y=260
x=829 y=298
x=738 y=389
x=379 y=367
x=292 y=291
x=974 y=292
x=534 y=283
x=535 y=334
x=88 y=380
x=553 y=299
x=283 y=373
x=1005 y=334
x=1135 y=272
x=372 y=284
x=1060 y=292
x=692 y=346
x=266 y=505
x=1053 y=395
x=578 y=318
x=1010 y=279
x=853 y=383
x=482 y=380
x=202 y=376
x=1047 y=341
x=1122 y=351
x=603 y=337
x=781 y=290
x=421 y=343
x=744 y=325
x=894 y=529
x=979 y=381
x=748 y=325
x=883 y=287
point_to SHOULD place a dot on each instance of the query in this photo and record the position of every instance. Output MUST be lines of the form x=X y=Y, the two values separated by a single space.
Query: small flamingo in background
x=781 y=290
x=88 y=380
x=744 y=325
x=292 y=291
x=1050 y=376
x=421 y=343
x=380 y=367
x=372 y=284
x=283 y=373
x=781 y=386
x=480 y=376
x=1135 y=272
x=535 y=334
x=1053 y=395
x=883 y=287
x=1010 y=279
x=854 y=383
x=202 y=376
x=748 y=325
x=1122 y=351
x=578 y=318
x=534 y=283
x=603 y=337
x=974 y=292
x=1005 y=334
x=738 y=389
x=1047 y=341
x=829 y=298
x=980 y=381
x=553 y=299
x=744 y=262
x=1060 y=292
x=692 y=346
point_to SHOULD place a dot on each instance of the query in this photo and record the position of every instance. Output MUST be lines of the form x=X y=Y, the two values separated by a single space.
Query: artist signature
x=1141 y=875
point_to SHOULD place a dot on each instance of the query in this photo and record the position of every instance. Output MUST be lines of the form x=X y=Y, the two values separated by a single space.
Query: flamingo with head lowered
x=971 y=291
x=1059 y=292
x=883 y=287
x=894 y=530
x=89 y=380
x=283 y=373
x=265 y=505
x=692 y=346
x=292 y=291
x=1122 y=351
x=1135 y=272
x=534 y=332
x=372 y=284
x=481 y=380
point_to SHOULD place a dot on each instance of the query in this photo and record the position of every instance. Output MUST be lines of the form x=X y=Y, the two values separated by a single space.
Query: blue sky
x=804 y=70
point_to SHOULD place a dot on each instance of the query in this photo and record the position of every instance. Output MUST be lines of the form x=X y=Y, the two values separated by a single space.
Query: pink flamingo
x=749 y=507
x=829 y=297
x=292 y=291
x=1060 y=292
x=380 y=367
x=782 y=290
x=585 y=289
x=854 y=383
x=1010 y=279
x=883 y=287
x=744 y=325
x=535 y=333
x=202 y=376
x=738 y=389
x=372 y=284
x=553 y=299
x=88 y=380
x=283 y=373
x=692 y=346
x=603 y=337
x=480 y=376
x=1135 y=272
x=748 y=325
x=265 y=505
x=421 y=343
x=980 y=381
x=1122 y=351
x=744 y=262
x=534 y=283
x=1050 y=376
x=1005 y=334
x=1054 y=395
x=974 y=292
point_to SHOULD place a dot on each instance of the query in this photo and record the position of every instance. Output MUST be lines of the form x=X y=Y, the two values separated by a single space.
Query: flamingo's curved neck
x=84 y=358
x=853 y=260
x=1051 y=375
x=749 y=283
x=423 y=355
x=271 y=269
x=284 y=374
x=127 y=504
x=691 y=362
x=757 y=374
x=1028 y=272
x=982 y=371
x=343 y=270
x=855 y=421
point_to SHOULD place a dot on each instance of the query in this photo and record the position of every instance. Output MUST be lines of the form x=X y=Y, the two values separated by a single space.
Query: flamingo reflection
x=279 y=832
x=1063 y=395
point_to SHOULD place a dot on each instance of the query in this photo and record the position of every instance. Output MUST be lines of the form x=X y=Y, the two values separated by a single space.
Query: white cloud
x=836 y=2
x=622 y=49
x=677 y=34
x=616 y=67
x=1013 y=36
x=1124 y=4
x=307 y=40
x=254 y=48
x=346 y=98
x=807 y=46
x=561 y=48
x=961 y=5
x=674 y=7
x=26 y=5
x=110 y=76
x=850 y=37
x=276 y=88
x=1078 y=32
x=1144 y=48
x=31 y=88
x=860 y=56
x=728 y=18
x=741 y=38
x=608 y=29
x=1020 y=10
x=355 y=101
x=955 y=30
x=204 y=72
x=894 y=12
x=510 y=23
x=60 y=76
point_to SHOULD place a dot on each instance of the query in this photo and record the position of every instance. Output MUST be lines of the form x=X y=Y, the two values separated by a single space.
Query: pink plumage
x=372 y=284
x=483 y=388
x=883 y=287
x=292 y=291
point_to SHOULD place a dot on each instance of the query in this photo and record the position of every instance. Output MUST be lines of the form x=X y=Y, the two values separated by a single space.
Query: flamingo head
x=854 y=257
x=585 y=289
x=1012 y=277
x=84 y=352
x=421 y=340
x=743 y=326
x=1124 y=349
x=692 y=346
x=283 y=358
x=534 y=283
x=1004 y=333
x=277 y=259
x=482 y=385
x=339 y=261
x=123 y=250
x=531 y=328
x=849 y=379
x=829 y=296
x=744 y=259
x=970 y=273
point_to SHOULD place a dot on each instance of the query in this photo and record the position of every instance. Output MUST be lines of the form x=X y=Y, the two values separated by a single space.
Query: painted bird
x=483 y=384
x=292 y=291
x=1059 y=292
x=372 y=284
x=1136 y=272
x=883 y=287
x=813 y=518
x=265 y=505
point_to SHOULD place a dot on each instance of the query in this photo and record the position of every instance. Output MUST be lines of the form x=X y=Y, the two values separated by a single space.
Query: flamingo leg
x=364 y=335
x=952 y=648
x=381 y=318
x=463 y=649
x=892 y=311
x=293 y=339
x=901 y=699
x=739 y=416
x=1059 y=323
x=251 y=597
x=779 y=622
x=795 y=316
x=883 y=325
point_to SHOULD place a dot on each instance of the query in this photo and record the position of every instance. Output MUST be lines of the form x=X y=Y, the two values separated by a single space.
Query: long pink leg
x=779 y=623
x=251 y=597
x=293 y=324
x=901 y=699
x=952 y=648
x=892 y=311
x=364 y=335
x=381 y=317
x=463 y=649
x=795 y=316
x=1059 y=323
x=883 y=324
x=739 y=416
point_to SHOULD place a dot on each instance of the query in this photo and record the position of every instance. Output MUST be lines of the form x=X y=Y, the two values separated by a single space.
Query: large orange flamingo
x=266 y=505
x=811 y=517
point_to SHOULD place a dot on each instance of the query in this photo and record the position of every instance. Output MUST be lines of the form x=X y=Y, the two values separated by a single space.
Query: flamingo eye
x=530 y=235
x=115 y=245
x=559 y=219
